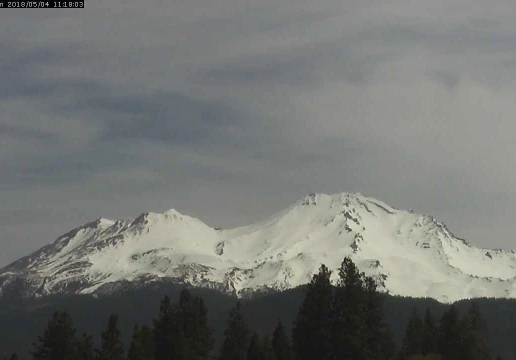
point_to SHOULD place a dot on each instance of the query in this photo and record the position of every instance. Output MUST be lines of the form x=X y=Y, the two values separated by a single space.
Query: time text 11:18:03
x=34 y=4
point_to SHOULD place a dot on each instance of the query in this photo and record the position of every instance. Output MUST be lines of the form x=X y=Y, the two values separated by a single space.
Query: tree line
x=341 y=322
x=452 y=337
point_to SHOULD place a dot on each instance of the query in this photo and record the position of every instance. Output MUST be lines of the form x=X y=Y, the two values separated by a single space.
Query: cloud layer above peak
x=231 y=110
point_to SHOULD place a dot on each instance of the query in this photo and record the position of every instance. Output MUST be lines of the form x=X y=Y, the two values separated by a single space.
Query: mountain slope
x=409 y=254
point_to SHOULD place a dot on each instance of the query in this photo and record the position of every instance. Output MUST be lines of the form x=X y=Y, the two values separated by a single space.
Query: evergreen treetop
x=311 y=331
x=379 y=340
x=164 y=330
x=236 y=336
x=268 y=352
x=112 y=347
x=58 y=341
x=281 y=343
x=85 y=350
x=193 y=316
x=476 y=335
x=451 y=335
x=430 y=337
x=142 y=344
x=255 y=350
x=412 y=342
x=348 y=325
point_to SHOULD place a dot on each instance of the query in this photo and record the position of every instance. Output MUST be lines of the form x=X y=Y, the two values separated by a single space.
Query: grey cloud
x=447 y=78
x=229 y=111
x=172 y=117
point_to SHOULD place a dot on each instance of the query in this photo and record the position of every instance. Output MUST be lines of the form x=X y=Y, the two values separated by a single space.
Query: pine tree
x=348 y=325
x=311 y=332
x=268 y=351
x=281 y=343
x=142 y=344
x=135 y=351
x=181 y=330
x=84 y=347
x=236 y=336
x=194 y=318
x=255 y=350
x=163 y=331
x=147 y=340
x=379 y=340
x=451 y=335
x=58 y=341
x=430 y=334
x=182 y=348
x=476 y=340
x=412 y=343
x=112 y=347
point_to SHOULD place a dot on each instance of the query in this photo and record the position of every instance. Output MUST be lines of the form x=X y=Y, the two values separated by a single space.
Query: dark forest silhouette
x=346 y=321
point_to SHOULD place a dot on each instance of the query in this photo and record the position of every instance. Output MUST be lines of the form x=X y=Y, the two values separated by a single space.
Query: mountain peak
x=348 y=200
x=173 y=212
x=410 y=254
x=100 y=222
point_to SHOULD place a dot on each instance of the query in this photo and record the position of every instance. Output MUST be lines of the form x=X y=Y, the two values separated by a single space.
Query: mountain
x=409 y=254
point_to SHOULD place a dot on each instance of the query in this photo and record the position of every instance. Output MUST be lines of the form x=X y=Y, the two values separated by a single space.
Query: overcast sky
x=230 y=110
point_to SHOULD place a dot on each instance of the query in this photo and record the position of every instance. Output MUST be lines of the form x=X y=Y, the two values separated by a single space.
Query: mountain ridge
x=409 y=254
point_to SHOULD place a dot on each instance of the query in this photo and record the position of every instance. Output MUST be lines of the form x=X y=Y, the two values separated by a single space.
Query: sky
x=230 y=110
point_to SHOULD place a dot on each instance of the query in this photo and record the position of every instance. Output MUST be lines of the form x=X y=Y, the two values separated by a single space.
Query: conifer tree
x=311 y=332
x=135 y=351
x=268 y=352
x=476 y=340
x=255 y=350
x=142 y=344
x=58 y=342
x=412 y=342
x=194 y=319
x=181 y=330
x=281 y=343
x=182 y=349
x=147 y=340
x=112 y=347
x=236 y=336
x=377 y=337
x=451 y=335
x=430 y=334
x=164 y=330
x=348 y=326
x=84 y=347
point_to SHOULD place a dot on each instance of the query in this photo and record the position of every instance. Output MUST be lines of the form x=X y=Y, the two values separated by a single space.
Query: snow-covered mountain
x=409 y=254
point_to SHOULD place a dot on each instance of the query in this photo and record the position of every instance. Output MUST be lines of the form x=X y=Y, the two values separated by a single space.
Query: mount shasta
x=409 y=254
